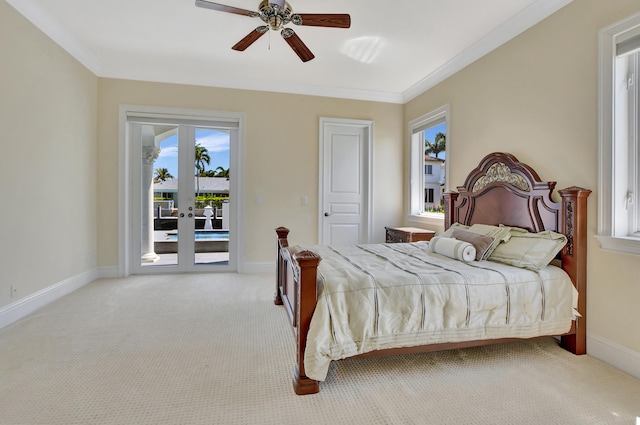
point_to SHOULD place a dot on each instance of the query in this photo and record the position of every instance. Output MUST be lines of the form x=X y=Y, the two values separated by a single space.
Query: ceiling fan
x=276 y=14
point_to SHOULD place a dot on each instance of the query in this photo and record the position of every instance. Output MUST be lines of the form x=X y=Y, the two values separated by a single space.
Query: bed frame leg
x=574 y=343
x=304 y=385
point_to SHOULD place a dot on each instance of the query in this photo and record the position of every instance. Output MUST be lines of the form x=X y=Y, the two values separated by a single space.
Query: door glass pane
x=159 y=195
x=211 y=169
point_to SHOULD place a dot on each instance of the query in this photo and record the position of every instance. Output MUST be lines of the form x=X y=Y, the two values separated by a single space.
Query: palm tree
x=222 y=172
x=202 y=158
x=162 y=175
x=439 y=145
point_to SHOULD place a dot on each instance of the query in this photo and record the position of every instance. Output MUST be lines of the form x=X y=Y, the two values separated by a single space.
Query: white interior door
x=345 y=181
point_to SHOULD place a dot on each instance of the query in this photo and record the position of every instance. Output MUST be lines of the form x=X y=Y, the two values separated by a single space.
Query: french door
x=183 y=201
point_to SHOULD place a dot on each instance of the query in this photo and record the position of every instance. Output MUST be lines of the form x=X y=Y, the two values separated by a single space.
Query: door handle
x=327 y=214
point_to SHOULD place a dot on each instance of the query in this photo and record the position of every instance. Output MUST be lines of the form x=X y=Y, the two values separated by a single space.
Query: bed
x=389 y=299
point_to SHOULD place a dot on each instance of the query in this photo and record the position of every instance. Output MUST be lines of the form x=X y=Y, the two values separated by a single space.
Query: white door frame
x=125 y=206
x=368 y=183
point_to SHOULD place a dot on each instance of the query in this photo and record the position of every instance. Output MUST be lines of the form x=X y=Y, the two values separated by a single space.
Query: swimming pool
x=205 y=241
x=203 y=235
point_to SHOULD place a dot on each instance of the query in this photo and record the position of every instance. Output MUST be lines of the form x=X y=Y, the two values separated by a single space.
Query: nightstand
x=408 y=234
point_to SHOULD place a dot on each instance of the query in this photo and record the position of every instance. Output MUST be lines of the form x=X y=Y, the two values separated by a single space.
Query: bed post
x=280 y=266
x=449 y=201
x=305 y=305
x=574 y=260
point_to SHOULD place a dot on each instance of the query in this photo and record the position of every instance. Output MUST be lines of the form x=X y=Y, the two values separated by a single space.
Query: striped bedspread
x=398 y=295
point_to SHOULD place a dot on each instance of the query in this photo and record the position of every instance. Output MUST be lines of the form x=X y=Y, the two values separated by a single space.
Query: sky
x=216 y=142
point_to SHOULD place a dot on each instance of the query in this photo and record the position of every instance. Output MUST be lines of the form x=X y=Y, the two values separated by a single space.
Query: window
x=619 y=138
x=428 y=149
x=428 y=169
x=428 y=196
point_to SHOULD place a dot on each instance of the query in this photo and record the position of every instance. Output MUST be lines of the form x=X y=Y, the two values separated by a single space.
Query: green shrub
x=215 y=201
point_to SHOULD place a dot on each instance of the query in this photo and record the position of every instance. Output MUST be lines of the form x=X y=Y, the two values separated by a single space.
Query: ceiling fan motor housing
x=275 y=13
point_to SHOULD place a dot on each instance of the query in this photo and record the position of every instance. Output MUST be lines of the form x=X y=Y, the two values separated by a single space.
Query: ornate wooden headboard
x=502 y=190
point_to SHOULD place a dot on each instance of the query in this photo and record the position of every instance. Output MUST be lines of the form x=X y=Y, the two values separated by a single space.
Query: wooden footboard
x=496 y=203
x=296 y=289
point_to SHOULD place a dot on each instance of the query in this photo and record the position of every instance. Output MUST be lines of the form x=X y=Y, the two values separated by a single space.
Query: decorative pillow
x=452 y=248
x=480 y=242
x=500 y=233
x=532 y=251
x=447 y=233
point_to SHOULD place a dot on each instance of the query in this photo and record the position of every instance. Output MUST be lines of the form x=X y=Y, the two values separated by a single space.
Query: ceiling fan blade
x=335 y=20
x=297 y=45
x=251 y=38
x=223 y=8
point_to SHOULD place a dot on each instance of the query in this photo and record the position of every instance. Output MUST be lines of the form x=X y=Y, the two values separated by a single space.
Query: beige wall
x=48 y=114
x=536 y=97
x=281 y=157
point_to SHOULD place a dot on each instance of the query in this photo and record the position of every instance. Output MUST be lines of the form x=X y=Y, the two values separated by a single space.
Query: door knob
x=327 y=214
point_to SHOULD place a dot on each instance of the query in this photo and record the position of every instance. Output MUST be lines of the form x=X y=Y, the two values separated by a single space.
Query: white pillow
x=532 y=251
x=452 y=248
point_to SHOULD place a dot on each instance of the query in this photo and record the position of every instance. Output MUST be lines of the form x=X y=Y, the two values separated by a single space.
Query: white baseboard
x=113 y=272
x=614 y=354
x=108 y=272
x=27 y=305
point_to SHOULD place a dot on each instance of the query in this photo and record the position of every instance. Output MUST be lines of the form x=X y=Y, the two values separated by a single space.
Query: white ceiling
x=393 y=51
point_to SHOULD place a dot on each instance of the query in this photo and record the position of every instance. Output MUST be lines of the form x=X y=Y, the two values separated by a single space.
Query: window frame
x=613 y=223
x=415 y=155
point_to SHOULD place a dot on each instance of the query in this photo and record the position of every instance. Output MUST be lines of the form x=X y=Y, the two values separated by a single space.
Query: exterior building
x=434 y=174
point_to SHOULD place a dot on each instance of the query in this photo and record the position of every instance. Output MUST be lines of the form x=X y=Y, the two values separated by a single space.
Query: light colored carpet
x=214 y=349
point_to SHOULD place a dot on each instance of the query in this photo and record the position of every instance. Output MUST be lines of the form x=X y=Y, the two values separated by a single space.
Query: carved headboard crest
x=501 y=167
x=500 y=172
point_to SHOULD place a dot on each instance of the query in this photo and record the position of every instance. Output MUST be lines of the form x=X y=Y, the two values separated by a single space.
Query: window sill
x=622 y=244
x=427 y=219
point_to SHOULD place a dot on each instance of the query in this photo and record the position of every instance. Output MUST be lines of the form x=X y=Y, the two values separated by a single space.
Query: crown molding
x=211 y=81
